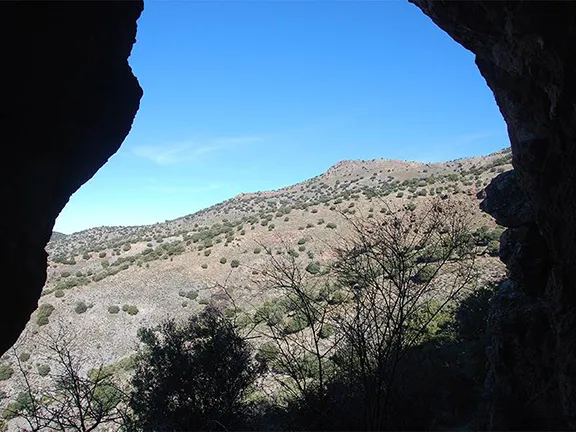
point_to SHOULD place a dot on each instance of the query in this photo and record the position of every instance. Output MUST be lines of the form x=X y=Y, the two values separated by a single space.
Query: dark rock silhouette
x=525 y=51
x=68 y=101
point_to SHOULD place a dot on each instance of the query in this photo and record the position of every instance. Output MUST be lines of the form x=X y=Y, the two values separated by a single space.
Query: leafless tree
x=301 y=330
x=74 y=400
x=401 y=269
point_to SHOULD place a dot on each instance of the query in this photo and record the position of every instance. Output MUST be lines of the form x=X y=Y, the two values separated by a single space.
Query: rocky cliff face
x=68 y=101
x=525 y=51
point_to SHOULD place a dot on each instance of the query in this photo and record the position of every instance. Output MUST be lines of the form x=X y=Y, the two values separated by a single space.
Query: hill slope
x=171 y=269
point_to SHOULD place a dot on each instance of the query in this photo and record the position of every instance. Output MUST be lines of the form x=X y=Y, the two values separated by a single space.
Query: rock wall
x=68 y=101
x=525 y=51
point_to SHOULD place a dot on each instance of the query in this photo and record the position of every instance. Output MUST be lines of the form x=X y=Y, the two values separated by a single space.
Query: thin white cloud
x=185 y=189
x=169 y=154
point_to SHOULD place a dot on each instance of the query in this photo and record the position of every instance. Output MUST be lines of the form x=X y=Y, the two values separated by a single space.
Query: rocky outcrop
x=525 y=51
x=68 y=101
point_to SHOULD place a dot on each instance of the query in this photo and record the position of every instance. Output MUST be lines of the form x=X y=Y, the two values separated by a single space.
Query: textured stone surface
x=68 y=101
x=525 y=51
x=506 y=201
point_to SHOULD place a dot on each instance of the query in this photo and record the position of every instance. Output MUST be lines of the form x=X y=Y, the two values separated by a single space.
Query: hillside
x=107 y=282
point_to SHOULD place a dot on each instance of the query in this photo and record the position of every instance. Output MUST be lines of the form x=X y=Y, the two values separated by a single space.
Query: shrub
x=193 y=376
x=313 y=267
x=86 y=256
x=44 y=312
x=493 y=247
x=24 y=357
x=126 y=247
x=80 y=307
x=5 y=371
x=410 y=206
x=267 y=353
x=234 y=263
x=130 y=309
x=331 y=225
x=59 y=293
x=223 y=260
x=257 y=250
x=207 y=252
x=43 y=369
x=102 y=255
x=204 y=266
x=192 y=295
x=113 y=309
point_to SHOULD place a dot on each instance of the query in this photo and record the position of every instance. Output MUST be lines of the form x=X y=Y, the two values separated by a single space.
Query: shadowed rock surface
x=525 y=51
x=68 y=101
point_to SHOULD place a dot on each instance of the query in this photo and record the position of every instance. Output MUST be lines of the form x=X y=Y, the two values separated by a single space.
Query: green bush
x=257 y=250
x=5 y=371
x=102 y=255
x=204 y=266
x=223 y=260
x=58 y=293
x=296 y=323
x=24 y=357
x=192 y=295
x=44 y=312
x=267 y=353
x=192 y=375
x=130 y=309
x=326 y=331
x=43 y=369
x=113 y=309
x=331 y=225
x=207 y=252
x=234 y=263
x=313 y=267
x=80 y=307
x=494 y=247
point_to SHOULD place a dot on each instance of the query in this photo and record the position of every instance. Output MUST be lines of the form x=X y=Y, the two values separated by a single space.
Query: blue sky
x=241 y=96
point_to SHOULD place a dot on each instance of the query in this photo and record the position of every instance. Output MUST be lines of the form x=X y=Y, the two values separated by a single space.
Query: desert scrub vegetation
x=6 y=371
x=43 y=314
x=113 y=309
x=191 y=294
x=43 y=369
x=206 y=361
x=371 y=348
x=130 y=309
x=67 y=399
x=80 y=307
